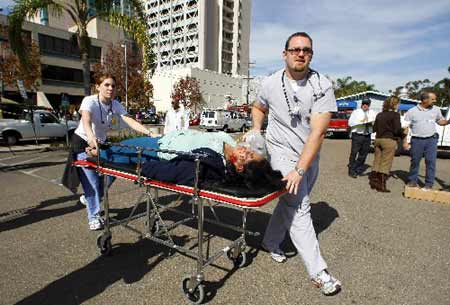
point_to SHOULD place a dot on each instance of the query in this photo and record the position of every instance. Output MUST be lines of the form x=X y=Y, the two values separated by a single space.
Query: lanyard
x=101 y=112
x=316 y=96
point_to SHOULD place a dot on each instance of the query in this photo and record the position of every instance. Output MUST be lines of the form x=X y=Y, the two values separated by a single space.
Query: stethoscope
x=316 y=95
x=108 y=114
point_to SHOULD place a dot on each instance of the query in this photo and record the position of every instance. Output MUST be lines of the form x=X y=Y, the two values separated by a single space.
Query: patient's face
x=243 y=155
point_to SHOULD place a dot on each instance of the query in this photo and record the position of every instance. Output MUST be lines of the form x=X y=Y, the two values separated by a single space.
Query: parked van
x=219 y=119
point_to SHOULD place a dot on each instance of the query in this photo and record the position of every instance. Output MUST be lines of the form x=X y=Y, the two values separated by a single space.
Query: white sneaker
x=83 y=200
x=96 y=224
x=328 y=285
x=277 y=254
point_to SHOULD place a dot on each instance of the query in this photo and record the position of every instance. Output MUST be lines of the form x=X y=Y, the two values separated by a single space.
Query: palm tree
x=348 y=86
x=81 y=14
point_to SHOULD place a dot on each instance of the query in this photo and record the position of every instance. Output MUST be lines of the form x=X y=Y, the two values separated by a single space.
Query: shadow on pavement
x=46 y=209
x=10 y=168
x=403 y=175
x=322 y=215
x=130 y=263
x=443 y=154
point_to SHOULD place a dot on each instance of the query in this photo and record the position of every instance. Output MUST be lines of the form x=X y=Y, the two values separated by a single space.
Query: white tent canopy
x=42 y=100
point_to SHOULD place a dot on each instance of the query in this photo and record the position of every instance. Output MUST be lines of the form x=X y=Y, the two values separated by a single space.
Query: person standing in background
x=422 y=121
x=360 y=121
x=388 y=129
x=176 y=118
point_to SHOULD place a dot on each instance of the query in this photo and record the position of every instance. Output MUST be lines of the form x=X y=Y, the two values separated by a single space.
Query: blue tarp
x=346 y=104
x=405 y=107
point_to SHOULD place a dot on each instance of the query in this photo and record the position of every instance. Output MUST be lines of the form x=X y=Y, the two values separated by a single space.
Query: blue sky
x=382 y=42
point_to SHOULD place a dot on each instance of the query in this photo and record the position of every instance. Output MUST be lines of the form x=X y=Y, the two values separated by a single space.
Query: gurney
x=158 y=229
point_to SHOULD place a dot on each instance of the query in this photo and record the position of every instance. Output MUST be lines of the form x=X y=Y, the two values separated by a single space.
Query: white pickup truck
x=47 y=126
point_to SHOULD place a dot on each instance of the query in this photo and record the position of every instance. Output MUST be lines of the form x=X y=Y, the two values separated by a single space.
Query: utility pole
x=126 y=75
x=248 y=78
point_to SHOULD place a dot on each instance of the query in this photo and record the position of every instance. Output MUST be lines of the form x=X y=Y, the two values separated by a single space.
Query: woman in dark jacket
x=388 y=129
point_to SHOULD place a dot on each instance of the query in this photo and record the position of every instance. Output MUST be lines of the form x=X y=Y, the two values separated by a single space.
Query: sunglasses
x=297 y=51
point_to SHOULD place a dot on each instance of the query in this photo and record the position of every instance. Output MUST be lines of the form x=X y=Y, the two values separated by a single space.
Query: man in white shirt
x=361 y=122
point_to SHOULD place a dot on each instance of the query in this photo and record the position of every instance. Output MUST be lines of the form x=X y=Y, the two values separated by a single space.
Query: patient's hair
x=257 y=174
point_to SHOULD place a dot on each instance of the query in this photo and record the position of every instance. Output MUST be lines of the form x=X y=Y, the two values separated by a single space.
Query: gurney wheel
x=238 y=261
x=104 y=244
x=195 y=295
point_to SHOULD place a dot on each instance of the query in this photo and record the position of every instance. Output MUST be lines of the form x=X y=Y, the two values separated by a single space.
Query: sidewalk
x=30 y=147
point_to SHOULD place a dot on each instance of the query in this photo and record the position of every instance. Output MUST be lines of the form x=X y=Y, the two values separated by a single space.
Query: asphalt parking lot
x=385 y=249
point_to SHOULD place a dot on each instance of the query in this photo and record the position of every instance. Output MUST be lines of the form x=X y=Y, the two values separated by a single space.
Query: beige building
x=61 y=68
x=205 y=39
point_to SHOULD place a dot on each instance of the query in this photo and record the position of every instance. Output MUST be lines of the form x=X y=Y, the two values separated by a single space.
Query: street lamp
x=126 y=75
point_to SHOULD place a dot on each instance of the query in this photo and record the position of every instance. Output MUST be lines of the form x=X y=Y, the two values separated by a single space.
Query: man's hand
x=293 y=180
x=244 y=137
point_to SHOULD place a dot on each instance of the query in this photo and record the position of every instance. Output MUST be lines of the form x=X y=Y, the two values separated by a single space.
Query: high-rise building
x=200 y=38
x=204 y=34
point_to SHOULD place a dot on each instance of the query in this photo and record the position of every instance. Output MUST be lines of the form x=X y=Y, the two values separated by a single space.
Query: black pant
x=358 y=154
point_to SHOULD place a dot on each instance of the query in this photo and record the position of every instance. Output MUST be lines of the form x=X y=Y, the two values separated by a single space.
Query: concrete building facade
x=61 y=67
x=205 y=39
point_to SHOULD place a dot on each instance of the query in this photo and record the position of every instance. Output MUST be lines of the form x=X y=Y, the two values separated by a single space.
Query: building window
x=61 y=74
x=50 y=45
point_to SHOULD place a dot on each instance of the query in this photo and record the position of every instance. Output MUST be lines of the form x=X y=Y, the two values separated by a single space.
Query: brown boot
x=383 y=188
x=373 y=177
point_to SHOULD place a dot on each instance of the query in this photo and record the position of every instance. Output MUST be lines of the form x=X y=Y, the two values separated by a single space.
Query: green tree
x=442 y=90
x=82 y=12
x=187 y=91
x=12 y=69
x=140 y=90
x=414 y=88
x=348 y=86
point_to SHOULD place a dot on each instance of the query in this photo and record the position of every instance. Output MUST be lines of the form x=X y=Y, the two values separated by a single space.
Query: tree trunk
x=86 y=73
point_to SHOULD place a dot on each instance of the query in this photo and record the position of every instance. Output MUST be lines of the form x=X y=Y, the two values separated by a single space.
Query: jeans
x=93 y=188
x=423 y=147
x=358 y=153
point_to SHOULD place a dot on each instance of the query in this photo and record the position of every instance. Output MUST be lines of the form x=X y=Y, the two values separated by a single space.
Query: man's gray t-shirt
x=422 y=121
x=287 y=135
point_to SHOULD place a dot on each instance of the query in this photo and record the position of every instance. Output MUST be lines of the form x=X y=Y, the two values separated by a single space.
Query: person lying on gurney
x=227 y=162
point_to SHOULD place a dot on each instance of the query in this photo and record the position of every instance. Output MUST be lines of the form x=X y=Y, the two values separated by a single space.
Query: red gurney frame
x=156 y=228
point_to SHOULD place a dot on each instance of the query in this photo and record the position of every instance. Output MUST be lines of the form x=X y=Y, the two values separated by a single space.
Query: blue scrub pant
x=92 y=183
x=93 y=188
x=423 y=147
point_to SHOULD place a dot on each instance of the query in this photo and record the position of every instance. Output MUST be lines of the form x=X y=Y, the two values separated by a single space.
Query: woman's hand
x=93 y=143
x=293 y=180
x=92 y=152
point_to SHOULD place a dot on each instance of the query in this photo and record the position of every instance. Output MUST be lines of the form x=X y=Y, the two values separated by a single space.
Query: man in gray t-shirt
x=299 y=102
x=422 y=121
